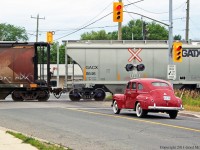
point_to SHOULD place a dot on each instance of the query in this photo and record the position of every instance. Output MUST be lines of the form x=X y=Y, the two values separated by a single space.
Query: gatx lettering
x=191 y=53
x=91 y=67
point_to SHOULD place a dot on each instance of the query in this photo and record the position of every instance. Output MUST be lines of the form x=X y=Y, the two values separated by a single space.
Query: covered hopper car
x=22 y=71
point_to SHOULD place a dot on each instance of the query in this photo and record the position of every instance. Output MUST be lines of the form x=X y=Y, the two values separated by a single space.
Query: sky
x=64 y=17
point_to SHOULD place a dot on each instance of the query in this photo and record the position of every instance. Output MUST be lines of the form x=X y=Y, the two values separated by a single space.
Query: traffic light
x=50 y=37
x=130 y=67
x=177 y=52
x=118 y=12
x=145 y=30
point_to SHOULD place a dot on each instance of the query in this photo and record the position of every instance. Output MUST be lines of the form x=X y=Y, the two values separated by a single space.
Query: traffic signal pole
x=120 y=28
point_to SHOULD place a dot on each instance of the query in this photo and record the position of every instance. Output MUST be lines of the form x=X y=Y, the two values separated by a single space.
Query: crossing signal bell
x=50 y=37
x=118 y=12
x=177 y=52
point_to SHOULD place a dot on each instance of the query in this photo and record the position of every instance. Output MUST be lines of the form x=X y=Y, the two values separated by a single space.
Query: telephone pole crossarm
x=37 y=28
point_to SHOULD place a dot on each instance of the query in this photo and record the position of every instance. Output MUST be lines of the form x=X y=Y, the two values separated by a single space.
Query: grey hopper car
x=103 y=65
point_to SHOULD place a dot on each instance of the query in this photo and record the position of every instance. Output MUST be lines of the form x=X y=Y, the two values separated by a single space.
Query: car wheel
x=173 y=114
x=116 y=110
x=139 y=111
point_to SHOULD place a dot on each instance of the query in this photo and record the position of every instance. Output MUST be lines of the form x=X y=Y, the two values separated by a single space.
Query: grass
x=36 y=143
x=190 y=98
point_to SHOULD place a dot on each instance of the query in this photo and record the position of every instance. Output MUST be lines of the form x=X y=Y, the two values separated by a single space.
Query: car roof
x=148 y=80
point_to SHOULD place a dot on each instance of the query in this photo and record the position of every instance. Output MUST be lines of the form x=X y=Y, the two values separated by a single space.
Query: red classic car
x=148 y=95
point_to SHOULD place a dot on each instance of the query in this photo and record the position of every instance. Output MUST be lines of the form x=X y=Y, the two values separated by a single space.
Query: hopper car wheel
x=139 y=111
x=116 y=110
x=74 y=95
x=99 y=95
x=16 y=96
x=173 y=114
x=43 y=96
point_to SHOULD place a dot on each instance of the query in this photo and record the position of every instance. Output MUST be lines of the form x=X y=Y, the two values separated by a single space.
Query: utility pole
x=187 y=21
x=170 y=41
x=37 y=28
x=120 y=28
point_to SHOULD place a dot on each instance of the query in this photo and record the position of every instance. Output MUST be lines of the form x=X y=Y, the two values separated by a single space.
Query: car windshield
x=162 y=84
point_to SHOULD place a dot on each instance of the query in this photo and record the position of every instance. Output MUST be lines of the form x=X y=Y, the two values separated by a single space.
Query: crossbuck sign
x=134 y=54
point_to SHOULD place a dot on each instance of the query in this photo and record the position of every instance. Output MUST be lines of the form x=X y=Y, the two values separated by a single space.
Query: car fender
x=144 y=99
x=120 y=99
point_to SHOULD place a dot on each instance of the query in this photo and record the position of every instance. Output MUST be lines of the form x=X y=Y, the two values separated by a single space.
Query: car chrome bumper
x=165 y=108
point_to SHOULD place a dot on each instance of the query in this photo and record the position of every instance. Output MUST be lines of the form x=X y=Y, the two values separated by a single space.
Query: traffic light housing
x=118 y=11
x=177 y=52
x=140 y=67
x=50 y=37
x=129 y=67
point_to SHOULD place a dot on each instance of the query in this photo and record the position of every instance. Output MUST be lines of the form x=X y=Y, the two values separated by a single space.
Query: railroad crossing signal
x=134 y=54
x=177 y=52
x=118 y=11
x=130 y=67
x=50 y=37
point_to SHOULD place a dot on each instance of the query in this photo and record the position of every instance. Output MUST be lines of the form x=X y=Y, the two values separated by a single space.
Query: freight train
x=104 y=63
x=22 y=71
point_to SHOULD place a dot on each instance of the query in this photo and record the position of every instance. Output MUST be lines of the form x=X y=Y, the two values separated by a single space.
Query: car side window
x=128 y=85
x=140 y=86
x=133 y=86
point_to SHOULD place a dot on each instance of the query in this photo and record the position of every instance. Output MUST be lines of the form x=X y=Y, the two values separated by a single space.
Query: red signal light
x=118 y=7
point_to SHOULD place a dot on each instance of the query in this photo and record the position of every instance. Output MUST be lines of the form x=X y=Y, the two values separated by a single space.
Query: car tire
x=116 y=110
x=173 y=114
x=139 y=111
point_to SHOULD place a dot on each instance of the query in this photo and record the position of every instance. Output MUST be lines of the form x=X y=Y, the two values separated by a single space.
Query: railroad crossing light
x=129 y=67
x=118 y=12
x=177 y=52
x=50 y=37
x=140 y=67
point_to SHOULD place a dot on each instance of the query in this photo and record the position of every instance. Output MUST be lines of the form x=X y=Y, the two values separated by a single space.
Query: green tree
x=93 y=35
x=135 y=29
x=53 y=54
x=10 y=32
x=177 y=37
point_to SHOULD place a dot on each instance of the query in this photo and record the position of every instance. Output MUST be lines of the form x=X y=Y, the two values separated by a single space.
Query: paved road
x=88 y=125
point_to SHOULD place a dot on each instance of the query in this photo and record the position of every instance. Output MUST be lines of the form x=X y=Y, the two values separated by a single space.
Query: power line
x=157 y=12
x=84 y=26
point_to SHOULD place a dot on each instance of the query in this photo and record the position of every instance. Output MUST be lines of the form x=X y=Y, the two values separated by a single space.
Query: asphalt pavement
x=9 y=142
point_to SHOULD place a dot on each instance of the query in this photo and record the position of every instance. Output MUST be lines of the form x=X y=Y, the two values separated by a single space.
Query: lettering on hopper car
x=24 y=77
x=20 y=77
x=191 y=53
x=91 y=67
x=6 y=79
x=91 y=73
